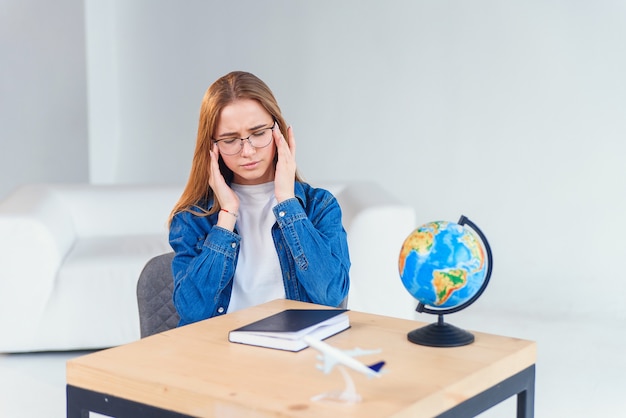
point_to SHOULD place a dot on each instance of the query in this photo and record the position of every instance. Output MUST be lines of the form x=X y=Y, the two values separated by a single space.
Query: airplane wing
x=360 y=352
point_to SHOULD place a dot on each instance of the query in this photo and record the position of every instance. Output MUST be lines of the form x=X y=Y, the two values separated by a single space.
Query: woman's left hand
x=285 y=175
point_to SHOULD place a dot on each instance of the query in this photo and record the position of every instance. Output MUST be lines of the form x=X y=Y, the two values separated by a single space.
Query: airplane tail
x=377 y=366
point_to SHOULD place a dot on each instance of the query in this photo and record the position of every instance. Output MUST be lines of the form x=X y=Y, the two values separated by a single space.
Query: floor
x=581 y=368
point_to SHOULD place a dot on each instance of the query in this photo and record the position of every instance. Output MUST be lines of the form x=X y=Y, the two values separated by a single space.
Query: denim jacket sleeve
x=311 y=228
x=203 y=266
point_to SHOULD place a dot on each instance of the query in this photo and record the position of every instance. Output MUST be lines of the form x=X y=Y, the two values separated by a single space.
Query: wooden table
x=195 y=371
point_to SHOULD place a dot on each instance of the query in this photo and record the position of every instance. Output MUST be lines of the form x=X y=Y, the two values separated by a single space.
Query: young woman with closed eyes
x=247 y=229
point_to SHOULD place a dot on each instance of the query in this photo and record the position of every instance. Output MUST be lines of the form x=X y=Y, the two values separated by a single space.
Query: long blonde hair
x=225 y=90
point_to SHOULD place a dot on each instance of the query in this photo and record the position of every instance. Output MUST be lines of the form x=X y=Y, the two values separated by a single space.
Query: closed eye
x=229 y=140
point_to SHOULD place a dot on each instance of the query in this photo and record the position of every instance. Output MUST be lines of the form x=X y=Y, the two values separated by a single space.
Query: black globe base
x=440 y=334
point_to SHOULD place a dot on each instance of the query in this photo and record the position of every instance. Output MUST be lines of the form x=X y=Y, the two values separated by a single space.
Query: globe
x=445 y=266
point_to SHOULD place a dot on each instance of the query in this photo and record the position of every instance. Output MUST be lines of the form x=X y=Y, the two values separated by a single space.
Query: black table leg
x=521 y=384
x=526 y=398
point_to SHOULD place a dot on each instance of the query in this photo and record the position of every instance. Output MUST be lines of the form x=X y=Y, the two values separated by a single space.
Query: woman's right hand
x=225 y=196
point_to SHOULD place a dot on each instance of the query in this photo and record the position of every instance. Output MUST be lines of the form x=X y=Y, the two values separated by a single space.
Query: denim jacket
x=309 y=238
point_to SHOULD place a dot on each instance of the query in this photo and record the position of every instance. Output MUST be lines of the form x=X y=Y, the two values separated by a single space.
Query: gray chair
x=154 y=296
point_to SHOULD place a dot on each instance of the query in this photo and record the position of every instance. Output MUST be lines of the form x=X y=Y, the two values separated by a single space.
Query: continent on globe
x=476 y=249
x=447 y=282
x=421 y=241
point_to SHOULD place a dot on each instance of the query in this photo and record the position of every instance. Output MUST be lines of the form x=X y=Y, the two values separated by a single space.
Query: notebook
x=284 y=330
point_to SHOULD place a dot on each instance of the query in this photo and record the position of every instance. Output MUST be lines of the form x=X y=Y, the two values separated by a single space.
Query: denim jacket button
x=233 y=244
x=281 y=213
x=220 y=309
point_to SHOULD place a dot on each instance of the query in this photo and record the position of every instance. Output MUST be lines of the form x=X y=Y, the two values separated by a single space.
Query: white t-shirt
x=258 y=278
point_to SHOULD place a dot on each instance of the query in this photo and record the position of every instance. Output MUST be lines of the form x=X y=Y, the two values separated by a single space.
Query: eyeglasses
x=258 y=139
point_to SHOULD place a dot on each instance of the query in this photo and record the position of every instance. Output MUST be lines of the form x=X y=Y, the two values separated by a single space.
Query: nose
x=247 y=148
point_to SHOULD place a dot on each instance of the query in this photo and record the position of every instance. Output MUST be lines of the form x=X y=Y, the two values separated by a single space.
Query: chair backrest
x=154 y=296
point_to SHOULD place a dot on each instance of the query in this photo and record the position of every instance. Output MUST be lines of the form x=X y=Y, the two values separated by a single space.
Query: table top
x=196 y=371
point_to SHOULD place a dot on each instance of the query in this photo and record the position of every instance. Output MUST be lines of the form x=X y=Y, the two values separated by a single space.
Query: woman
x=247 y=229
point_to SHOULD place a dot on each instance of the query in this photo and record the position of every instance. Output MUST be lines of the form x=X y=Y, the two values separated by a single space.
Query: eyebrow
x=236 y=134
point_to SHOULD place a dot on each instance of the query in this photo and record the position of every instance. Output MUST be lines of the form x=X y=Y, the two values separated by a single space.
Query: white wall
x=512 y=113
x=43 y=126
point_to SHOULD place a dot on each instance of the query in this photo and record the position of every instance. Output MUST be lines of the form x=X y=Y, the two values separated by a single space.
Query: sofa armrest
x=377 y=224
x=36 y=231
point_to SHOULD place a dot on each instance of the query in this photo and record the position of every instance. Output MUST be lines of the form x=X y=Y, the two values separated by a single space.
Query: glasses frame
x=241 y=140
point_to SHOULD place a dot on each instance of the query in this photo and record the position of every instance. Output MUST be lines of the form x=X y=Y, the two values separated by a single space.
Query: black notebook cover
x=291 y=320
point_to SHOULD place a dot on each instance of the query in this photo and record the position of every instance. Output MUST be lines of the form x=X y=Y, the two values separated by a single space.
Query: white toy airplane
x=332 y=356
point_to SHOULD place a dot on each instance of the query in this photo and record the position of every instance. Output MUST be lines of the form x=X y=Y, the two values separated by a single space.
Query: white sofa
x=70 y=257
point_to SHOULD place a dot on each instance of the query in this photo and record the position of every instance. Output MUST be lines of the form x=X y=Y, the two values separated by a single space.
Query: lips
x=251 y=165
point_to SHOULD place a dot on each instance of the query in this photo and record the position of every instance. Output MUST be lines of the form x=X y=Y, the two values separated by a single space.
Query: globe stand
x=440 y=334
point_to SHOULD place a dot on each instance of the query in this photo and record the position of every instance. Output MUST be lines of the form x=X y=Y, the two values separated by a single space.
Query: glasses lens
x=261 y=138
x=229 y=146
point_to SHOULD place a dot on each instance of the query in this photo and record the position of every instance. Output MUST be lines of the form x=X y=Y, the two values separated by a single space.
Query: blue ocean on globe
x=442 y=264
